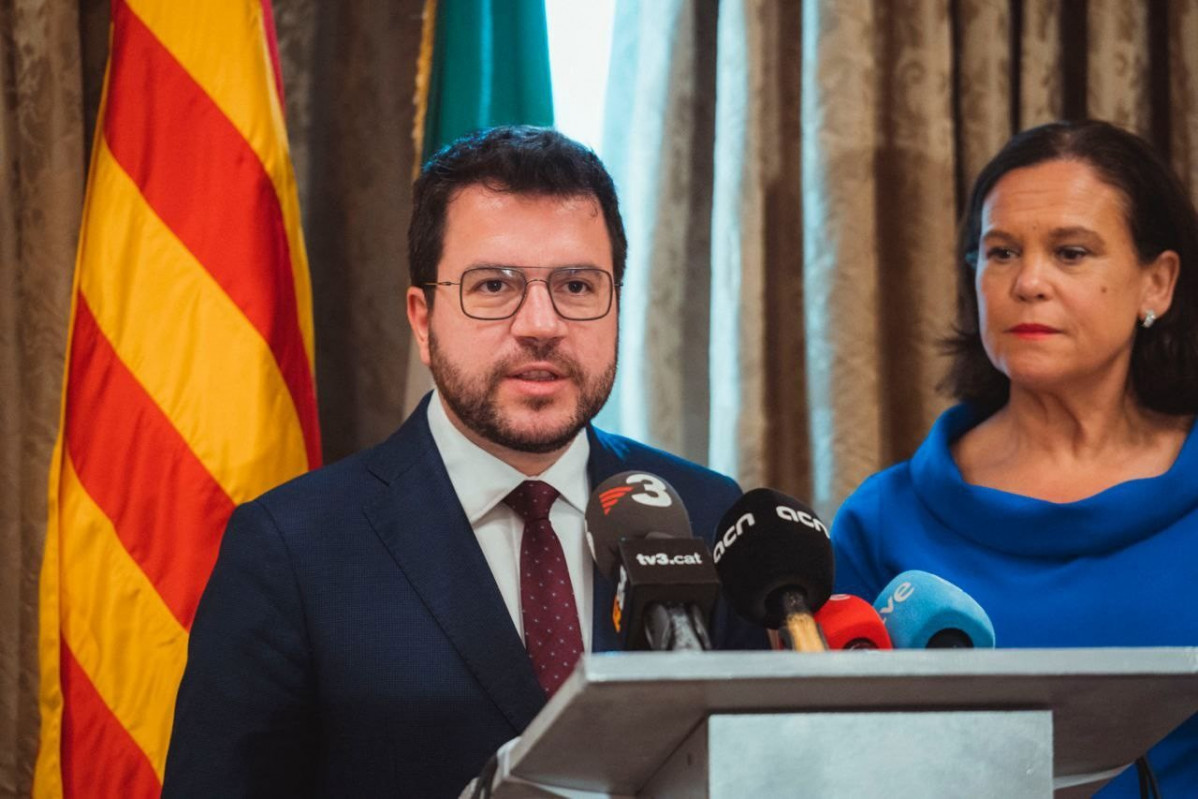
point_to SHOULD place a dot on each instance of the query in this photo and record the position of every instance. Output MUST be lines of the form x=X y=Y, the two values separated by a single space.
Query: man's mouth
x=539 y=375
x=539 y=372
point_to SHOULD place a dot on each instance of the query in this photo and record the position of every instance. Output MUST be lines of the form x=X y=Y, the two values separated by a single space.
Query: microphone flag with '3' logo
x=666 y=586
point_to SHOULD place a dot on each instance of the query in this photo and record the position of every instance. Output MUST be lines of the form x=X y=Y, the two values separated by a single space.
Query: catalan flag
x=189 y=378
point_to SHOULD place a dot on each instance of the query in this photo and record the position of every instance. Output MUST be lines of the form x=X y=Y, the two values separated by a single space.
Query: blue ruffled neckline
x=1023 y=526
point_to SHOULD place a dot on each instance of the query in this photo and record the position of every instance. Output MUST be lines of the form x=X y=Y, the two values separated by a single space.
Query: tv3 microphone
x=775 y=561
x=923 y=611
x=849 y=622
x=666 y=585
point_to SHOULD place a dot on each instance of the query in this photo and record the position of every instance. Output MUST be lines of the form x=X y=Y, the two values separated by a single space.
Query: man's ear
x=418 y=318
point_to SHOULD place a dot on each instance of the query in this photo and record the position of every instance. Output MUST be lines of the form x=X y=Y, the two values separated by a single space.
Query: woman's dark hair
x=1160 y=216
x=518 y=159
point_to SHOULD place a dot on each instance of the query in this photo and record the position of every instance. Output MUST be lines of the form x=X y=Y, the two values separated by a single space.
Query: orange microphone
x=849 y=622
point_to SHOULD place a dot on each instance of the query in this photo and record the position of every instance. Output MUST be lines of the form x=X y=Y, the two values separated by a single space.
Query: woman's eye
x=1072 y=254
x=1000 y=254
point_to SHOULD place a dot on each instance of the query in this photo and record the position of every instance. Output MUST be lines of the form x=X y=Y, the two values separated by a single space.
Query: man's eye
x=578 y=287
x=492 y=286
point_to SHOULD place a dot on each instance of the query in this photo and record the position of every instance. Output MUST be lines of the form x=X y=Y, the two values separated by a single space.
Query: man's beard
x=475 y=402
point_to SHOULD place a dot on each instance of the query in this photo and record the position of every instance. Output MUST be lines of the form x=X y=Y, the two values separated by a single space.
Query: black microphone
x=666 y=585
x=775 y=561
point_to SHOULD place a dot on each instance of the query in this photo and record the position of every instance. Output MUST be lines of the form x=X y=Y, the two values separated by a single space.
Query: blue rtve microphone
x=923 y=611
x=666 y=584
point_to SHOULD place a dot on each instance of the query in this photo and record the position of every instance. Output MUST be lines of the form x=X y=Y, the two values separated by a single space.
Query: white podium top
x=621 y=715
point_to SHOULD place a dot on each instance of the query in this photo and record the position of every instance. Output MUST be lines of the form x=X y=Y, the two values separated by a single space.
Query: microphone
x=775 y=561
x=849 y=622
x=666 y=586
x=923 y=611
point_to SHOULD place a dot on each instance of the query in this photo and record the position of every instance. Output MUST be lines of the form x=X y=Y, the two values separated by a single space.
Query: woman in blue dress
x=1062 y=492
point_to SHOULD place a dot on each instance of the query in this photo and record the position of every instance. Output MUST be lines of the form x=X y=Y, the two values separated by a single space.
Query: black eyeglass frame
x=615 y=287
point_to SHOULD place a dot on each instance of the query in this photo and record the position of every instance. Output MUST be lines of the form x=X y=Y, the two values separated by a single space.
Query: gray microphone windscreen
x=632 y=505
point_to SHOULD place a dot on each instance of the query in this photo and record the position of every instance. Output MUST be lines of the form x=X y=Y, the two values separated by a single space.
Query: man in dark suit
x=381 y=626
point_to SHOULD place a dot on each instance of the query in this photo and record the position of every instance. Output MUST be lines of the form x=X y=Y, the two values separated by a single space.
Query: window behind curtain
x=579 y=52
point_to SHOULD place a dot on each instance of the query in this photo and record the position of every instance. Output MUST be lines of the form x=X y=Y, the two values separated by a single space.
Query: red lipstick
x=1032 y=330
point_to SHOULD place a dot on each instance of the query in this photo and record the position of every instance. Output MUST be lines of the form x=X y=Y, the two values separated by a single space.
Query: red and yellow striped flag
x=189 y=379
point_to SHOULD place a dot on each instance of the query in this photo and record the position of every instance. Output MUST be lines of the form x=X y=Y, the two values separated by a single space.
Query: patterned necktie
x=551 y=632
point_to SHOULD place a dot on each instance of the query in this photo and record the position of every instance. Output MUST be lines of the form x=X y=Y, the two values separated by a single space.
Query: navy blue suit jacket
x=352 y=641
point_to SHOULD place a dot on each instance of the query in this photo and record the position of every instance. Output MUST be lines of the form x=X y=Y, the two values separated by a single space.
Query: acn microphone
x=923 y=611
x=666 y=585
x=849 y=622
x=775 y=561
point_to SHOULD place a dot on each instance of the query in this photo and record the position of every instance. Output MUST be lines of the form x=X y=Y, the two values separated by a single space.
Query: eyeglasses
x=578 y=293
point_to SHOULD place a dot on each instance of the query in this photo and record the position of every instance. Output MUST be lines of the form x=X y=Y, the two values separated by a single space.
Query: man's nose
x=537 y=318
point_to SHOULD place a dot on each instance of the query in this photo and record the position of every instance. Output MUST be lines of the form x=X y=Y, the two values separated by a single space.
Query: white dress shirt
x=481 y=481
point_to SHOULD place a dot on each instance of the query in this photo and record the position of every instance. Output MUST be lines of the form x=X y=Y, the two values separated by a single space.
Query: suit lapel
x=422 y=524
x=604 y=461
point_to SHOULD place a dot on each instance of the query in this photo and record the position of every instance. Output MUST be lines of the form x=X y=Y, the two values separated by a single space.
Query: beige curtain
x=846 y=137
x=659 y=151
x=349 y=70
x=41 y=194
x=870 y=140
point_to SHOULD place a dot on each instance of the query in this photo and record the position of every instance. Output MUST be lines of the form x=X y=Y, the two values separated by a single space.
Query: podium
x=1051 y=723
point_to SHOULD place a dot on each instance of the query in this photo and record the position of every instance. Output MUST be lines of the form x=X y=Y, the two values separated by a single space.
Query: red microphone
x=850 y=622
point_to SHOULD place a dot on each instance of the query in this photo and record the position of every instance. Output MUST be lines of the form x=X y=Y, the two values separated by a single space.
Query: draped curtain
x=657 y=142
x=42 y=135
x=791 y=173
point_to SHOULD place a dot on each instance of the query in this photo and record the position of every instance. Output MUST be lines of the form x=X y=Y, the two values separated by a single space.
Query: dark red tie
x=551 y=633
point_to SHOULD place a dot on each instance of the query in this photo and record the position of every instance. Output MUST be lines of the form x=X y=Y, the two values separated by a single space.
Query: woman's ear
x=1160 y=278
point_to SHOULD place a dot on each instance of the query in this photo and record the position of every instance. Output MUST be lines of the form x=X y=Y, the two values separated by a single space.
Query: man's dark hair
x=520 y=159
x=1160 y=216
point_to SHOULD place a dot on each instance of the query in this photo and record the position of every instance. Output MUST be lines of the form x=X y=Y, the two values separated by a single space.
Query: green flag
x=490 y=66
